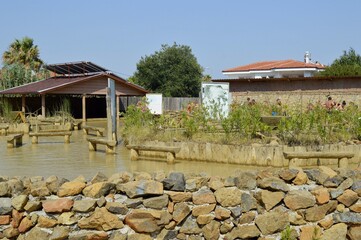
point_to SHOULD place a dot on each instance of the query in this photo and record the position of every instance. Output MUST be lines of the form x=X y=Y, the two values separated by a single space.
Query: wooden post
x=43 y=105
x=111 y=86
x=23 y=103
x=83 y=108
x=109 y=116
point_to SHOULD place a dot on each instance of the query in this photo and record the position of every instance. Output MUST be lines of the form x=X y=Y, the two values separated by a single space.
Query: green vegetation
x=286 y=234
x=172 y=71
x=245 y=125
x=349 y=64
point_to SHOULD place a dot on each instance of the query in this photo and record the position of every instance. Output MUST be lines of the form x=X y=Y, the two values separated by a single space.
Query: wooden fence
x=169 y=103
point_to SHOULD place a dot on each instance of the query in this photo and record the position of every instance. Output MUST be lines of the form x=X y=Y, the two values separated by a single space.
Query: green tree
x=349 y=64
x=172 y=71
x=22 y=64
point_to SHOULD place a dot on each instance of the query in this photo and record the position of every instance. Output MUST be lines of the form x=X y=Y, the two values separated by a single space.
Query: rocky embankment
x=305 y=204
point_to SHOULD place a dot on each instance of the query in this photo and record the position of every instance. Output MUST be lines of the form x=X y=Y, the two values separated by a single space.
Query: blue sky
x=222 y=34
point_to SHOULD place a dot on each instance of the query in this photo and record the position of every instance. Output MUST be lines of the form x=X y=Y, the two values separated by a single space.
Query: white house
x=276 y=69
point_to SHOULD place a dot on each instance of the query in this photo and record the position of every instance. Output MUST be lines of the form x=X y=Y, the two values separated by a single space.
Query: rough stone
x=179 y=196
x=271 y=222
x=296 y=218
x=156 y=202
x=71 y=188
x=203 y=209
x=46 y=222
x=175 y=182
x=222 y=213
x=356 y=207
x=271 y=199
x=5 y=206
x=19 y=202
x=326 y=223
x=181 y=211
x=248 y=202
x=322 y=195
x=337 y=231
x=84 y=206
x=133 y=203
x=116 y=208
x=195 y=183
x=328 y=171
x=60 y=233
x=211 y=231
x=141 y=188
x=298 y=199
x=205 y=219
x=4 y=189
x=90 y=235
x=58 y=206
x=121 y=177
x=203 y=196
x=301 y=178
x=245 y=180
x=27 y=223
x=247 y=217
x=235 y=211
x=32 y=206
x=166 y=234
x=215 y=183
x=273 y=184
x=356 y=187
x=310 y=232
x=98 y=189
x=138 y=236
x=288 y=174
x=354 y=232
x=67 y=218
x=190 y=226
x=4 y=219
x=316 y=213
x=117 y=236
x=101 y=220
x=347 y=217
x=99 y=177
x=39 y=189
x=16 y=218
x=15 y=186
x=53 y=183
x=348 y=198
x=228 y=196
x=316 y=175
x=244 y=232
x=333 y=182
x=141 y=221
x=11 y=232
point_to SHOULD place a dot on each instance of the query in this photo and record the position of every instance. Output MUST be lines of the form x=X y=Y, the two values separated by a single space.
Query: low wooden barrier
x=99 y=131
x=342 y=157
x=109 y=144
x=35 y=136
x=4 y=129
x=14 y=140
x=171 y=151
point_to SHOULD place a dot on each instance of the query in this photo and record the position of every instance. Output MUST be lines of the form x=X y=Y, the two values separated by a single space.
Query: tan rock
x=71 y=188
x=296 y=218
x=67 y=218
x=141 y=221
x=202 y=209
x=336 y=232
x=222 y=213
x=271 y=199
x=205 y=219
x=316 y=213
x=101 y=220
x=215 y=183
x=16 y=218
x=4 y=219
x=90 y=235
x=58 y=206
x=340 y=208
x=32 y=206
x=98 y=190
x=354 y=232
x=322 y=195
x=45 y=222
x=181 y=211
x=39 y=189
x=301 y=178
x=228 y=196
x=244 y=232
x=38 y=234
x=179 y=196
x=326 y=223
x=27 y=223
x=138 y=236
x=141 y=188
x=211 y=231
x=356 y=207
x=19 y=202
x=271 y=222
x=203 y=196
x=99 y=177
x=348 y=197
x=331 y=173
x=247 y=217
x=84 y=206
x=310 y=233
x=158 y=202
x=60 y=233
x=299 y=199
x=11 y=232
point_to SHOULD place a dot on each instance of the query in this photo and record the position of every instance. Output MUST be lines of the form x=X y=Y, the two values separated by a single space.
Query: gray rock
x=175 y=182
x=195 y=183
x=356 y=187
x=38 y=234
x=133 y=203
x=16 y=186
x=248 y=202
x=299 y=199
x=273 y=184
x=116 y=208
x=60 y=233
x=190 y=226
x=288 y=174
x=316 y=175
x=5 y=206
x=235 y=211
x=347 y=217
x=84 y=206
x=245 y=180
x=156 y=202
x=333 y=182
x=141 y=188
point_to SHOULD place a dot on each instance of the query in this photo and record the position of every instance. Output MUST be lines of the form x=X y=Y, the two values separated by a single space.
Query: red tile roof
x=270 y=65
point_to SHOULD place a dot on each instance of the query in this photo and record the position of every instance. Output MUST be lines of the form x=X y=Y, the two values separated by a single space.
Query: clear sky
x=115 y=34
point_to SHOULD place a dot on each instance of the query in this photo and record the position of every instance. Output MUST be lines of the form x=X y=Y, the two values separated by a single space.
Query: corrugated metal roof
x=76 y=68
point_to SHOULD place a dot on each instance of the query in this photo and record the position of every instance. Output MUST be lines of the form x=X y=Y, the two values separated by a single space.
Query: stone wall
x=307 y=204
x=255 y=154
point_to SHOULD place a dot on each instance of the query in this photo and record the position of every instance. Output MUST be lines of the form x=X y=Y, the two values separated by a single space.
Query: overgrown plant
x=286 y=234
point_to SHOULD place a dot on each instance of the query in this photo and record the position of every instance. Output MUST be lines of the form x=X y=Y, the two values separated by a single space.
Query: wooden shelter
x=76 y=78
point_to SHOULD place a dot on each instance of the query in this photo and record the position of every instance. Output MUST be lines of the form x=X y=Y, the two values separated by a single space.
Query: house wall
x=297 y=91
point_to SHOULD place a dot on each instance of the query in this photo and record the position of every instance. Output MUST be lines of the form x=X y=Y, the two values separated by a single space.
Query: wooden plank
x=154 y=148
x=307 y=155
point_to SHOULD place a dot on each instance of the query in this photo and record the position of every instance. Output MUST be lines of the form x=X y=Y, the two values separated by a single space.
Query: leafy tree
x=172 y=71
x=349 y=64
x=23 y=52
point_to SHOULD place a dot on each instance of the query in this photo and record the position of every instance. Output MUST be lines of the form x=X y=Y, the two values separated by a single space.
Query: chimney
x=307 y=57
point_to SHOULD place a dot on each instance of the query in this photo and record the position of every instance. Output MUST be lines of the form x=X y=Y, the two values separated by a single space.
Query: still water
x=52 y=157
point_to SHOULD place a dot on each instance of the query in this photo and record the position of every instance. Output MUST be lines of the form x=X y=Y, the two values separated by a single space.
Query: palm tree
x=23 y=52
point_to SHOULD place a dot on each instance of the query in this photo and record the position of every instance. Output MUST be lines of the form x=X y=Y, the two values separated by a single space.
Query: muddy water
x=52 y=157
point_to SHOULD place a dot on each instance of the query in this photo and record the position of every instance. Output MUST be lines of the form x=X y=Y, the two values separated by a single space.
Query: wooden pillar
x=117 y=109
x=83 y=108
x=23 y=103
x=43 y=105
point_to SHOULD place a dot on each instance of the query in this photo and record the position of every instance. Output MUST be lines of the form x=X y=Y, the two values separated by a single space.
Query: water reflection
x=52 y=157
